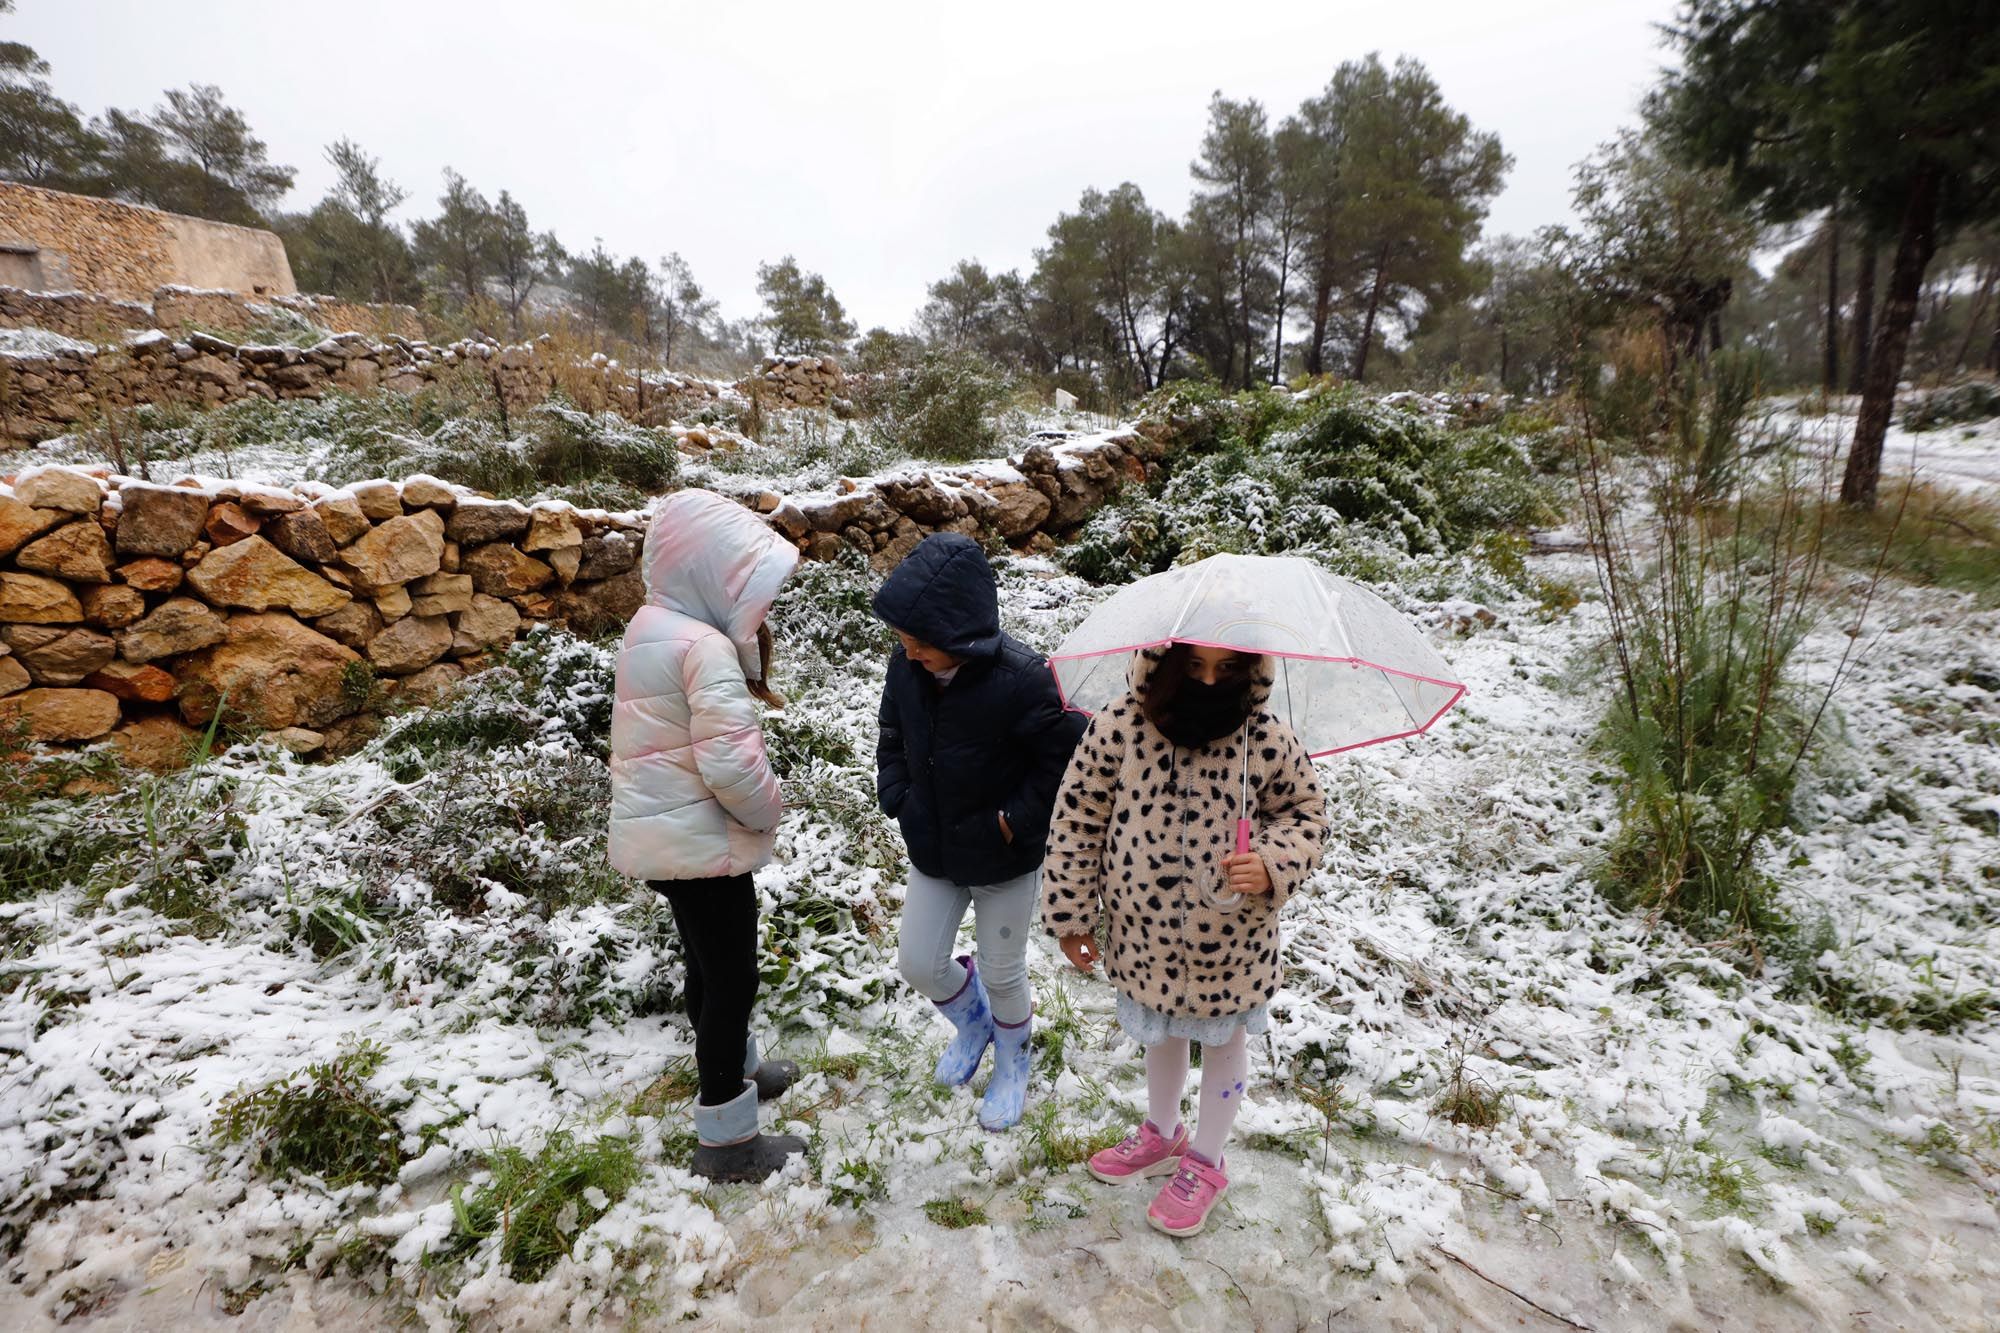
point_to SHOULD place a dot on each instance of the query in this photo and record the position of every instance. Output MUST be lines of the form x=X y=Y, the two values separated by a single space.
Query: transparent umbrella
x=1351 y=670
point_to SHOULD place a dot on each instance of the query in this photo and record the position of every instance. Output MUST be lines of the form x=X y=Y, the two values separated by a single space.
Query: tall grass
x=1712 y=579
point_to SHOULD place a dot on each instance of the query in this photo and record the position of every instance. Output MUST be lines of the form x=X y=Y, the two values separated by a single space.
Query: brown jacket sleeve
x=1073 y=873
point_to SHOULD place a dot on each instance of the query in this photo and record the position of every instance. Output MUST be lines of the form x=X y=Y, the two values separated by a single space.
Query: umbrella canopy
x=1351 y=670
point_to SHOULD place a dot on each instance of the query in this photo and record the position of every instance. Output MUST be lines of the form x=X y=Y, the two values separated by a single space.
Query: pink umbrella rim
x=1457 y=689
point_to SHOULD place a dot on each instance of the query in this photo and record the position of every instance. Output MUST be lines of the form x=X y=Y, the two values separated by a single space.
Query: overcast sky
x=879 y=143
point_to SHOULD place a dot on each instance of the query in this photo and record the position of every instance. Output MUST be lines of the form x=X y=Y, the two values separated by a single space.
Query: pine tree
x=43 y=140
x=1886 y=107
x=1238 y=170
x=801 y=311
x=522 y=257
x=457 y=245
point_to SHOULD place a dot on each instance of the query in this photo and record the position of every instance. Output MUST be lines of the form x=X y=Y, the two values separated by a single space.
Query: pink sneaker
x=1182 y=1205
x=1143 y=1152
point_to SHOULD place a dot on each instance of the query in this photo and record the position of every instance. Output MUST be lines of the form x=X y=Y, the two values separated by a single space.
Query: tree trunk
x=1368 y=320
x=1503 y=358
x=1832 y=367
x=1284 y=279
x=1916 y=242
x=1864 y=315
x=1322 y=313
x=1979 y=300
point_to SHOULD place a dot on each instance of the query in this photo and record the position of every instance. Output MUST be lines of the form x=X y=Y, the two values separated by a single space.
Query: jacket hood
x=713 y=560
x=944 y=593
x=1146 y=659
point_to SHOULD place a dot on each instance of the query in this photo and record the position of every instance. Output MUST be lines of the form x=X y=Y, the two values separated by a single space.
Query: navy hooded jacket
x=952 y=758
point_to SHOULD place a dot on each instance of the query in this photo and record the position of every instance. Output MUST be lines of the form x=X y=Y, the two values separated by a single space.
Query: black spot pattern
x=1130 y=802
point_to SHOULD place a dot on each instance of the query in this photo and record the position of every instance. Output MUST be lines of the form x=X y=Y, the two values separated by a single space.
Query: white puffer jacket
x=692 y=791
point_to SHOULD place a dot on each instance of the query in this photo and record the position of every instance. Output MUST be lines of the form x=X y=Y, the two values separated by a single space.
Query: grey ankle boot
x=729 y=1147
x=772 y=1077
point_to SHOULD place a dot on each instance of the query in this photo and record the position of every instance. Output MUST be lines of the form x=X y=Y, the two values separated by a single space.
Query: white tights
x=1224 y=1069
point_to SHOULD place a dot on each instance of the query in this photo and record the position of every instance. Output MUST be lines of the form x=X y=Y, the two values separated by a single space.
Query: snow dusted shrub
x=325 y=1123
x=1708 y=723
x=532 y=1208
x=593 y=458
x=822 y=620
x=940 y=408
x=1966 y=401
x=1357 y=484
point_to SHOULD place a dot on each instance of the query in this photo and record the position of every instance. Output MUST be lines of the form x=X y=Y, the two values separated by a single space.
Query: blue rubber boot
x=1007 y=1091
x=970 y=1014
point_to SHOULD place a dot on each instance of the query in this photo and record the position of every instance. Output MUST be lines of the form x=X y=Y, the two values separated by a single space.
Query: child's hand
x=1247 y=873
x=1081 y=950
x=1006 y=829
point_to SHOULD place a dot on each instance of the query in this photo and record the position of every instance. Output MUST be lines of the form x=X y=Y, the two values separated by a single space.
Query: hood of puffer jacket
x=1146 y=659
x=713 y=560
x=944 y=593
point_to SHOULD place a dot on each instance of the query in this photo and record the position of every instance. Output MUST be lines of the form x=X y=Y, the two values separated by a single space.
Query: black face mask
x=1202 y=713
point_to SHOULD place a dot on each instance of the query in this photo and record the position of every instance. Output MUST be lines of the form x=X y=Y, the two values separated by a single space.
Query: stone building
x=52 y=241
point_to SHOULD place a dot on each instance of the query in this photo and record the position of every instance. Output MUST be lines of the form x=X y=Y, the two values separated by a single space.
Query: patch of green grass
x=855 y=1182
x=1731 y=1184
x=676 y=1086
x=324 y=1123
x=539 y=1204
x=955 y=1214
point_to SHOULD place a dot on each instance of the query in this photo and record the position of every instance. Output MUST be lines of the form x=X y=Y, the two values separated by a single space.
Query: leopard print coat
x=1134 y=808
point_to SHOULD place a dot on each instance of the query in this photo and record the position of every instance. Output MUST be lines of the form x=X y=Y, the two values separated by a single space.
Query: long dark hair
x=1171 y=672
x=761 y=687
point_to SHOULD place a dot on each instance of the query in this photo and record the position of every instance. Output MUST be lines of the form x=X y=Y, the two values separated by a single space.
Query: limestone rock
x=395 y=603
x=61 y=488
x=159 y=520
x=132 y=682
x=403 y=548
x=75 y=551
x=58 y=654
x=422 y=492
x=354 y=624
x=13 y=676
x=608 y=553
x=227 y=524
x=490 y=622
x=161 y=744
x=177 y=625
x=478 y=521
x=553 y=528
x=565 y=561
x=498 y=570
x=112 y=605
x=61 y=714
x=1018 y=510
x=342 y=516
x=20 y=522
x=411 y=643
x=270 y=672
x=379 y=500
x=269 y=502
x=299 y=740
x=31 y=599
x=590 y=608
x=257 y=576
x=432 y=684
x=441 y=594
x=151 y=574
x=303 y=536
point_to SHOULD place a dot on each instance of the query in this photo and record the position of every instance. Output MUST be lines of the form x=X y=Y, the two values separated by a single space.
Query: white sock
x=1224 y=1069
x=1166 y=1078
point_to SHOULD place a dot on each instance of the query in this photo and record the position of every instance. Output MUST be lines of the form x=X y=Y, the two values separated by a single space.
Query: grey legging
x=1002 y=913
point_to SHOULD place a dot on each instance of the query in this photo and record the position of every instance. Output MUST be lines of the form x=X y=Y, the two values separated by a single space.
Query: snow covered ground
x=1682 y=1139
x=1965 y=455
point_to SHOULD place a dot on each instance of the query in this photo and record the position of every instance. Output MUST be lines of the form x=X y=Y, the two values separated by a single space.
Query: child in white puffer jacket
x=694 y=803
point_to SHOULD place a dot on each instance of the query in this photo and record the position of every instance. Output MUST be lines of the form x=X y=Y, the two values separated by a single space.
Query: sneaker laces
x=1129 y=1145
x=1185 y=1182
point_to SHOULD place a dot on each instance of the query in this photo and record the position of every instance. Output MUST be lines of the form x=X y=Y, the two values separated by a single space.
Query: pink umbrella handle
x=1242 y=836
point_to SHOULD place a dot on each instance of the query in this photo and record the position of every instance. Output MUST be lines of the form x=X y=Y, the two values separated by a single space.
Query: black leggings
x=717 y=919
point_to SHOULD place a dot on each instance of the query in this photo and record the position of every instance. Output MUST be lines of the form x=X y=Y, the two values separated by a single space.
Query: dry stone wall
x=95 y=317
x=133 y=613
x=47 y=393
